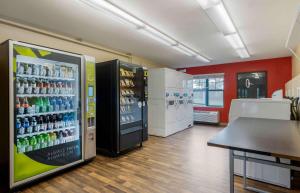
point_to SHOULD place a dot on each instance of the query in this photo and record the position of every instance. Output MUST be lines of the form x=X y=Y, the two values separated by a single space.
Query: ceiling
x=262 y=24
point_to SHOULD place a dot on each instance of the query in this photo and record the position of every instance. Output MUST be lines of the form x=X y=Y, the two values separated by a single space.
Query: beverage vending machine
x=43 y=112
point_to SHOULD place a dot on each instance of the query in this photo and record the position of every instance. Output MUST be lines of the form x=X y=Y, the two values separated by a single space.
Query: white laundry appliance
x=170 y=104
x=262 y=108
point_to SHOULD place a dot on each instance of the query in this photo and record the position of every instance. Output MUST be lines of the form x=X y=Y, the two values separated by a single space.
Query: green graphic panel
x=26 y=167
x=90 y=84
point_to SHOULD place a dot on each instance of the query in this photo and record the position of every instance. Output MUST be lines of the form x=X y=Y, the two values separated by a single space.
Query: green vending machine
x=46 y=103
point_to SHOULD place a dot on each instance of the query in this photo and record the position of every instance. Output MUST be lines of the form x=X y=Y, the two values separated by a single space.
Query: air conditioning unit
x=212 y=117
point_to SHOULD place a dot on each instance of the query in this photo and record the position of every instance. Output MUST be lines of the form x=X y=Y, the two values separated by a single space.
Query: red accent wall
x=279 y=71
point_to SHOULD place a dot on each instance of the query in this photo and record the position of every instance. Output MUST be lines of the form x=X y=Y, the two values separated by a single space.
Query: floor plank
x=181 y=163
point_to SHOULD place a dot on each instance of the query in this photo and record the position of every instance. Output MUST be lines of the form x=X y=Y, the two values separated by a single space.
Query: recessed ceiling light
x=243 y=53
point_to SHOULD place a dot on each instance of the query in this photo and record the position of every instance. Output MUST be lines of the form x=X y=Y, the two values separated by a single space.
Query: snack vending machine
x=42 y=115
x=145 y=106
x=120 y=87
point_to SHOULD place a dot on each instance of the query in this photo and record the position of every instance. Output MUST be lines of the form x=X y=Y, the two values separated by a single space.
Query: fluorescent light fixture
x=243 y=53
x=182 y=51
x=202 y=58
x=205 y=4
x=157 y=35
x=187 y=50
x=142 y=26
x=115 y=10
x=220 y=17
x=235 y=41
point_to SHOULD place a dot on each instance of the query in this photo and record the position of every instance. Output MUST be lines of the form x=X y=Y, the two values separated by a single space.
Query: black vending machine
x=120 y=95
x=145 y=106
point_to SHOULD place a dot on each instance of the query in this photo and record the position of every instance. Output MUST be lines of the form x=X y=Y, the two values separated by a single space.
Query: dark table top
x=278 y=138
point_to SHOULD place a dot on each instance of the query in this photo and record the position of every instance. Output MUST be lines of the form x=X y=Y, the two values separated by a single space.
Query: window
x=209 y=90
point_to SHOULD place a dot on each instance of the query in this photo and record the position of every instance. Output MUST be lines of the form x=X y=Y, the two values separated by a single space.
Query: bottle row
x=127 y=83
x=126 y=73
x=47 y=70
x=125 y=109
x=43 y=104
x=42 y=86
x=29 y=125
x=44 y=140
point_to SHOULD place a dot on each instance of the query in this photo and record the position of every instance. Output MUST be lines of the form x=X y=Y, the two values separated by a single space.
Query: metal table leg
x=231 y=171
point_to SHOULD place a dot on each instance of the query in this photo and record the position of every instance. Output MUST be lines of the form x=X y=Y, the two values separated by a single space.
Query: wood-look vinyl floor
x=181 y=163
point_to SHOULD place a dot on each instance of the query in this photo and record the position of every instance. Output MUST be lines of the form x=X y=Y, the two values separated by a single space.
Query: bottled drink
x=67 y=104
x=19 y=127
x=41 y=141
x=59 y=103
x=26 y=106
x=20 y=68
x=18 y=105
x=56 y=88
x=51 y=88
x=66 y=120
x=28 y=89
x=49 y=71
x=46 y=139
x=26 y=124
x=43 y=107
x=33 y=143
x=19 y=146
x=60 y=120
x=47 y=121
x=26 y=144
x=33 y=85
x=39 y=87
x=29 y=127
x=55 y=122
x=60 y=137
x=51 y=123
x=53 y=138
x=36 y=70
x=71 y=103
x=41 y=123
x=44 y=87
x=43 y=71
x=35 y=128
x=56 y=70
x=28 y=69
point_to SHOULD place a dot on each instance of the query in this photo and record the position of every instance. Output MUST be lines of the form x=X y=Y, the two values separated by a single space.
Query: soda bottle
x=39 y=87
x=50 y=106
x=26 y=124
x=29 y=128
x=53 y=104
x=36 y=70
x=18 y=126
x=28 y=90
x=51 y=88
x=28 y=69
x=54 y=121
x=41 y=123
x=26 y=144
x=60 y=137
x=43 y=107
x=43 y=88
x=30 y=144
x=33 y=143
x=71 y=103
x=60 y=120
x=46 y=139
x=18 y=86
x=51 y=139
x=59 y=103
x=20 y=68
x=41 y=141
x=22 y=145
x=18 y=106
x=33 y=85
x=47 y=121
x=25 y=106
x=34 y=125
x=66 y=120
x=25 y=85
x=19 y=146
